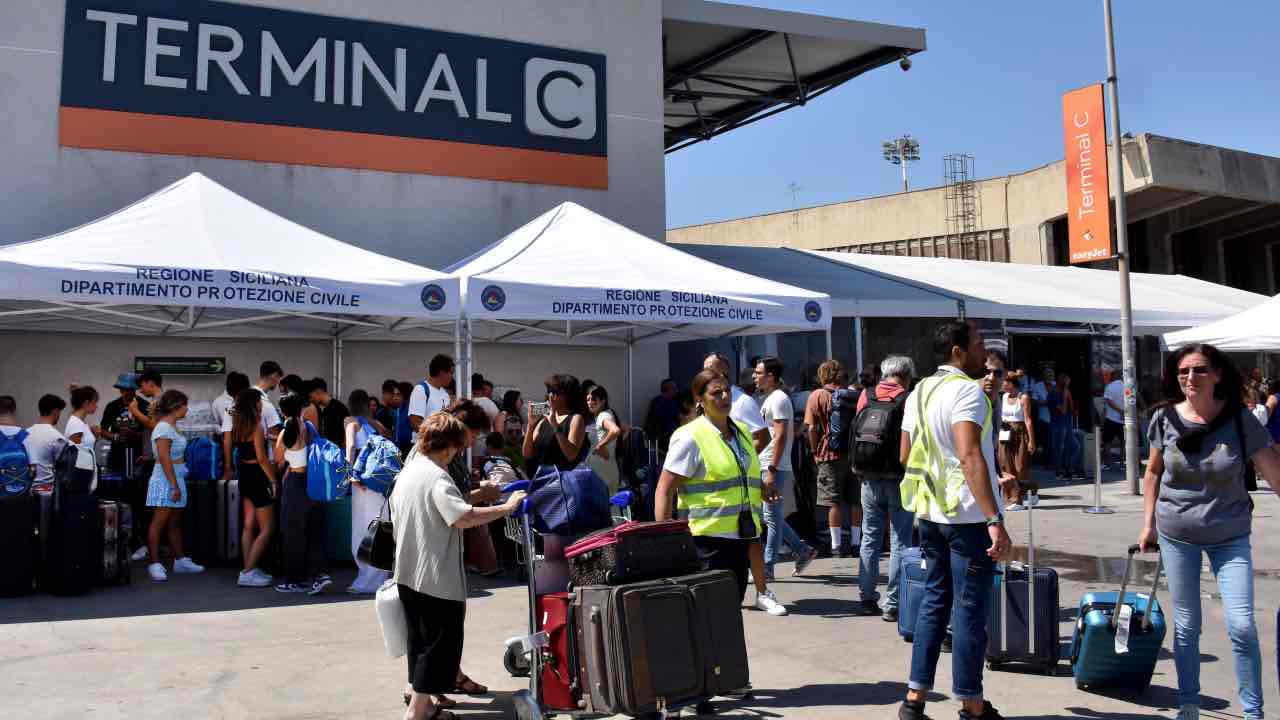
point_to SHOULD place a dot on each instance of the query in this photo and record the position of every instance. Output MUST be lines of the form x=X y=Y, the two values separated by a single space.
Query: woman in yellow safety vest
x=713 y=464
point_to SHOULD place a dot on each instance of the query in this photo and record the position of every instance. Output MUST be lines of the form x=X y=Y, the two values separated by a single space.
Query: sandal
x=440 y=700
x=467 y=686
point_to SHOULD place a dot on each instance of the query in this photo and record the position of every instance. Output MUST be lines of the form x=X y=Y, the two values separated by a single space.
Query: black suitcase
x=1022 y=627
x=17 y=545
x=722 y=639
x=73 y=548
x=200 y=521
x=637 y=648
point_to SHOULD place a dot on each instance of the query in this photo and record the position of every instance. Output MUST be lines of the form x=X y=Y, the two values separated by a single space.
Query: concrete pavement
x=198 y=647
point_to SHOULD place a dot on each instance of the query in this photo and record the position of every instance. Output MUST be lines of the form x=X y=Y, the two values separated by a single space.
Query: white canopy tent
x=195 y=259
x=572 y=276
x=1254 y=330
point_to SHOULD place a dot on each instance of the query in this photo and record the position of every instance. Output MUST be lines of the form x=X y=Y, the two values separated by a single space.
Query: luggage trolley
x=524 y=654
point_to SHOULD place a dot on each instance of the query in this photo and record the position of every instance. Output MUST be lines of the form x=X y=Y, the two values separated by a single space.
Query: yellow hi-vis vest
x=929 y=479
x=713 y=502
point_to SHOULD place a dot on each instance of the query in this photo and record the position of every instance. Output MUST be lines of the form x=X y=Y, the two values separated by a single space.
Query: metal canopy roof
x=726 y=65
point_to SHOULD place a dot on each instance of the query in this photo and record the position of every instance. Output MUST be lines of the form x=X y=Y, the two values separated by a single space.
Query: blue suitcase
x=910 y=590
x=1094 y=660
x=1023 y=620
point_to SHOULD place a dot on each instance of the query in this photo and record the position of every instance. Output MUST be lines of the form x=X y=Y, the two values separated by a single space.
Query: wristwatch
x=773 y=469
x=997 y=520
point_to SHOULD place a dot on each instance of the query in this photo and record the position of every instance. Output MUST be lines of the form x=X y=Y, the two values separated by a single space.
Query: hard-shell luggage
x=17 y=545
x=200 y=520
x=722 y=639
x=1100 y=634
x=635 y=649
x=633 y=551
x=73 y=546
x=559 y=678
x=1022 y=626
x=337 y=527
x=114 y=486
x=911 y=575
x=116 y=521
x=232 y=523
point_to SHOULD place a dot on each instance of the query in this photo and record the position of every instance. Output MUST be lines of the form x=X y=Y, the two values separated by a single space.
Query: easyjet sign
x=218 y=79
x=1088 y=193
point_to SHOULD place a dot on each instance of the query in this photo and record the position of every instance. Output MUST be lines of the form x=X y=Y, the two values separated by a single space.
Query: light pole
x=901 y=151
x=1122 y=264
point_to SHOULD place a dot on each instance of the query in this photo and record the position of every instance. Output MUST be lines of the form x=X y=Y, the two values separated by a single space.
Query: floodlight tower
x=901 y=151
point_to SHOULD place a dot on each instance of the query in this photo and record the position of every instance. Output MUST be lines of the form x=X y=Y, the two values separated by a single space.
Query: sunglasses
x=1193 y=370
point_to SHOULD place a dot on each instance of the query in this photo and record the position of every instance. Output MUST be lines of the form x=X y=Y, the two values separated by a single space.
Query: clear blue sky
x=990 y=84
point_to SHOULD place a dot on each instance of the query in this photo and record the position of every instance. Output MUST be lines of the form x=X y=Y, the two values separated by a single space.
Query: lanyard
x=733 y=450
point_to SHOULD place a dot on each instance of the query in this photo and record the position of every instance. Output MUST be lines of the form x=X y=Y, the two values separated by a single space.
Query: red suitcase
x=633 y=552
x=557 y=670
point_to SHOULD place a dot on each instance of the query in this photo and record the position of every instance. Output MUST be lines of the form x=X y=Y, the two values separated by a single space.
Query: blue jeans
x=958 y=573
x=1062 y=444
x=1232 y=563
x=779 y=530
x=881 y=502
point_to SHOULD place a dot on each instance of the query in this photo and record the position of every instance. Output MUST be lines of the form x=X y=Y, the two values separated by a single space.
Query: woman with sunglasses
x=558 y=438
x=1196 y=504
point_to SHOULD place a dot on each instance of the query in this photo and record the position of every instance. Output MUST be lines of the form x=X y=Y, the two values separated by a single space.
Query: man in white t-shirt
x=949 y=417
x=747 y=411
x=44 y=442
x=775 y=466
x=1113 y=417
x=430 y=396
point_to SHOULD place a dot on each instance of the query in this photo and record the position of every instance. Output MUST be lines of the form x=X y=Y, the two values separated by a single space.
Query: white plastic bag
x=395 y=628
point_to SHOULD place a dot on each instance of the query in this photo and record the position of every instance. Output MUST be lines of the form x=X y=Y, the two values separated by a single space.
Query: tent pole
x=338 y=376
x=830 y=354
x=333 y=366
x=857 y=344
x=631 y=410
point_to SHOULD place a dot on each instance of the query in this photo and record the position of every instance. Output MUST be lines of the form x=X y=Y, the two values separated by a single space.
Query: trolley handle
x=515 y=486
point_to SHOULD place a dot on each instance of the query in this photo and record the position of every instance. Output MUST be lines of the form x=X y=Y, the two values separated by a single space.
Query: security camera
x=905 y=63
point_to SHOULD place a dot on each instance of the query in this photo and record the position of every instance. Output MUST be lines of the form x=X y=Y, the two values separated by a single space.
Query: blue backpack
x=378 y=462
x=326 y=468
x=204 y=460
x=15 y=465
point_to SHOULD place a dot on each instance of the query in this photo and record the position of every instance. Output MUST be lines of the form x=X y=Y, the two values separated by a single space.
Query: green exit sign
x=181 y=365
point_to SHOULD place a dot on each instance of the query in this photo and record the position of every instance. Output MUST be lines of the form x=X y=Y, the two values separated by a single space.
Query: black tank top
x=248 y=454
x=546 y=449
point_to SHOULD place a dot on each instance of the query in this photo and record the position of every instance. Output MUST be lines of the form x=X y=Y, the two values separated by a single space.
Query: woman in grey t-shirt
x=1196 y=504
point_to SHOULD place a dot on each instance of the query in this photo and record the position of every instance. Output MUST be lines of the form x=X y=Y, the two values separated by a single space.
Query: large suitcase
x=1095 y=662
x=206 y=507
x=1023 y=621
x=232 y=522
x=559 y=678
x=17 y=545
x=722 y=639
x=911 y=575
x=632 y=552
x=73 y=546
x=635 y=647
x=337 y=527
x=116 y=521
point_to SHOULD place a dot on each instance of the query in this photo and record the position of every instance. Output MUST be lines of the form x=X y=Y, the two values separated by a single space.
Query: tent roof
x=854 y=291
x=1255 y=329
x=195 y=256
x=573 y=273
x=1069 y=294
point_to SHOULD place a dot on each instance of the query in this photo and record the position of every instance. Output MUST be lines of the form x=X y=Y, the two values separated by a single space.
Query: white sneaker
x=1189 y=712
x=157 y=573
x=768 y=602
x=186 y=565
x=140 y=554
x=253 y=579
x=258 y=573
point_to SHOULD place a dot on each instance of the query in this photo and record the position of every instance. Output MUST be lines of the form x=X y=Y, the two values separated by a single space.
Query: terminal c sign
x=217 y=79
x=1088 y=194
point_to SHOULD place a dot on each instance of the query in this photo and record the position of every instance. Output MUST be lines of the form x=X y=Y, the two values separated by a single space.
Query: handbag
x=378 y=546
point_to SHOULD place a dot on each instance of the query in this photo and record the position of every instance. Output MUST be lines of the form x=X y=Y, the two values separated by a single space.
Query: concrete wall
x=429 y=220
x=47 y=363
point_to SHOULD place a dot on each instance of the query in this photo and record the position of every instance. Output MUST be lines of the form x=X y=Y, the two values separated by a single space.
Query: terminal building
x=421 y=129
x=1200 y=211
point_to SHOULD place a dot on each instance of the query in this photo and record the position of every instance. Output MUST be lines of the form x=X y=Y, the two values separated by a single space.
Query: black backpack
x=844 y=409
x=876 y=436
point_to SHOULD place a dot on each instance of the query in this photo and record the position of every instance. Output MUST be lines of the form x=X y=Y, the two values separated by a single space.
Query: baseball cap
x=127 y=381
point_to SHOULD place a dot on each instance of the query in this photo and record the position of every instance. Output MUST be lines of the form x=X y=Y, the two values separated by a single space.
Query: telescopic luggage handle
x=1124 y=586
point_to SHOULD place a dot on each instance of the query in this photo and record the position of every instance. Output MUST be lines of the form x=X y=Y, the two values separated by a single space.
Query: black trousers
x=435 y=640
x=729 y=554
x=302 y=531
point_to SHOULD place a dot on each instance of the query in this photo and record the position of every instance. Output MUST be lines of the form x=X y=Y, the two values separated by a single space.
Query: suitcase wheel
x=515 y=661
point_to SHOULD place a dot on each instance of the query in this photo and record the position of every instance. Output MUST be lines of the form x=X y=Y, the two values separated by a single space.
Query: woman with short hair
x=429 y=514
x=1196 y=505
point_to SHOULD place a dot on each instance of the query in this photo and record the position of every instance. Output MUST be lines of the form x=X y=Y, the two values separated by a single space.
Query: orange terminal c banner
x=1088 y=190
